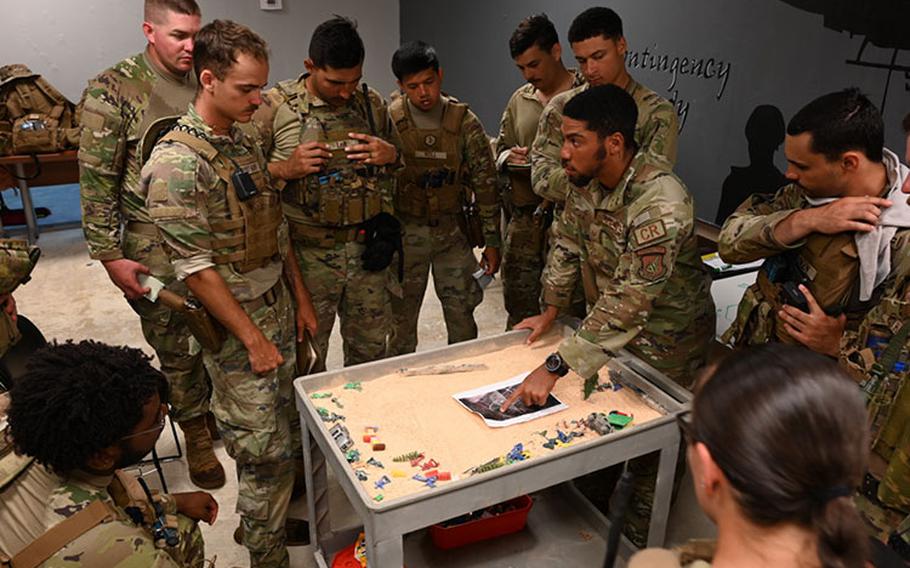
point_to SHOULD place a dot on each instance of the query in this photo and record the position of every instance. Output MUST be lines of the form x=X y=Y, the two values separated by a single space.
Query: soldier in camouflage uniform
x=211 y=197
x=536 y=51
x=628 y=231
x=333 y=152
x=597 y=40
x=17 y=259
x=448 y=164
x=811 y=231
x=119 y=106
x=81 y=412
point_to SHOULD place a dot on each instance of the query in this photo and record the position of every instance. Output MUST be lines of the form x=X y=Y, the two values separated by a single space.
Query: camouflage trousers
x=445 y=249
x=523 y=260
x=579 y=306
x=685 y=352
x=260 y=427
x=338 y=284
x=180 y=357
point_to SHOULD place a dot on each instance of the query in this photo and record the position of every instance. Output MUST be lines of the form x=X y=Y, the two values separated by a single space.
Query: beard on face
x=581 y=180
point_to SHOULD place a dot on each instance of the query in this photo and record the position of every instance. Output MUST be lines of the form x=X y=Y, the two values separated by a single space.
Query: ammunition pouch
x=435 y=194
x=324 y=237
x=343 y=193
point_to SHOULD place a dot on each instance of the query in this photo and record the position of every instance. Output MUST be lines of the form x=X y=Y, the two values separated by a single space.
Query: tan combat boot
x=205 y=469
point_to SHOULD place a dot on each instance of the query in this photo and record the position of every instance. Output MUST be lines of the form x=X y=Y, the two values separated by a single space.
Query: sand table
x=418 y=413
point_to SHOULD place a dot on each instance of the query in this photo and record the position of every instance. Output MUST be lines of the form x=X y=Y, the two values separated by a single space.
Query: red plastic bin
x=482 y=529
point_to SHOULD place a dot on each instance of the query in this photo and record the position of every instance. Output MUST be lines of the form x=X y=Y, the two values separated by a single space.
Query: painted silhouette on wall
x=881 y=23
x=764 y=134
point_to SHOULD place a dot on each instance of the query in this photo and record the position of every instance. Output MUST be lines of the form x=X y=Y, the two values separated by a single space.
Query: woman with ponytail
x=777 y=444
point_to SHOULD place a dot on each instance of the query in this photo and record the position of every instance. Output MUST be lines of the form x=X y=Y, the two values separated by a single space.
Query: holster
x=207 y=330
x=470 y=224
x=543 y=218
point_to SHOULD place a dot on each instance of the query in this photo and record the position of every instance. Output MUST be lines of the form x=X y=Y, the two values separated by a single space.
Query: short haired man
x=833 y=237
x=80 y=413
x=448 y=164
x=334 y=150
x=120 y=105
x=628 y=232
x=535 y=48
x=220 y=219
x=597 y=40
x=837 y=246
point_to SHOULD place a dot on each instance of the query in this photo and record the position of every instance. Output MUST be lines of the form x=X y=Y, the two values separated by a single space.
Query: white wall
x=70 y=41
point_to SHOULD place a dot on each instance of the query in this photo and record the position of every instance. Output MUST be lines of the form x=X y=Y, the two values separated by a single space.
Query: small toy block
x=367 y=438
x=378 y=447
x=378 y=498
x=354 y=386
x=434 y=473
x=444 y=476
x=321 y=395
x=398 y=473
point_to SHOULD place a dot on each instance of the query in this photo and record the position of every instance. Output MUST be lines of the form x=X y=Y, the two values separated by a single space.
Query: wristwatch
x=556 y=365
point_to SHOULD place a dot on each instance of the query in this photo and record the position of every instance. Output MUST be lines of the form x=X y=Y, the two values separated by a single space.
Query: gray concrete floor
x=70 y=297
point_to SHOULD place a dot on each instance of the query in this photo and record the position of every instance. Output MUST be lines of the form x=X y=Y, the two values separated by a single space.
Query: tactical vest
x=828 y=265
x=430 y=183
x=344 y=193
x=250 y=230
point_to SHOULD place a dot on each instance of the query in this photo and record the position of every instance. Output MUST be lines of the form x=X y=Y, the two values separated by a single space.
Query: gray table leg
x=385 y=553
x=663 y=493
x=31 y=220
x=317 y=495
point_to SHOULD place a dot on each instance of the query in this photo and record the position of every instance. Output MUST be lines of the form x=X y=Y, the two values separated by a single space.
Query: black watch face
x=553 y=363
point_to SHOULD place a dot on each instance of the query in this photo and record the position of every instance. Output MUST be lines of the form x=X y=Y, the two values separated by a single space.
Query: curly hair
x=79 y=398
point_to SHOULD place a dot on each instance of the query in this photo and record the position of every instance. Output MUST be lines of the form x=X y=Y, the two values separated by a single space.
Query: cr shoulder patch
x=653 y=266
x=653 y=231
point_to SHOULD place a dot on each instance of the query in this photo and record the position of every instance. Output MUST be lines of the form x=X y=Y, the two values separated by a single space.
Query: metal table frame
x=386 y=523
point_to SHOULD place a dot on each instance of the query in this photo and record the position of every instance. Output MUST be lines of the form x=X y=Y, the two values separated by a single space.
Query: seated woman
x=777 y=443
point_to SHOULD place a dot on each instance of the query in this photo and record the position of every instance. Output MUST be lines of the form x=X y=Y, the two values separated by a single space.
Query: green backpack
x=34 y=116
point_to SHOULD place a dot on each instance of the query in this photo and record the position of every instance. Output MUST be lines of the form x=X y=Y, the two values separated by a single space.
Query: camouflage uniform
x=647 y=289
x=118 y=543
x=747 y=235
x=524 y=252
x=325 y=210
x=452 y=145
x=197 y=216
x=656 y=132
x=17 y=259
x=120 y=104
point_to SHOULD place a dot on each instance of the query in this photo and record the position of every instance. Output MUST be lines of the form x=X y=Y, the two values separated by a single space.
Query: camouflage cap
x=17 y=259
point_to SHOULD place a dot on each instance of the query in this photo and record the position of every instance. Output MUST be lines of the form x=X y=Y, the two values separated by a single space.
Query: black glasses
x=159 y=424
x=684 y=421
